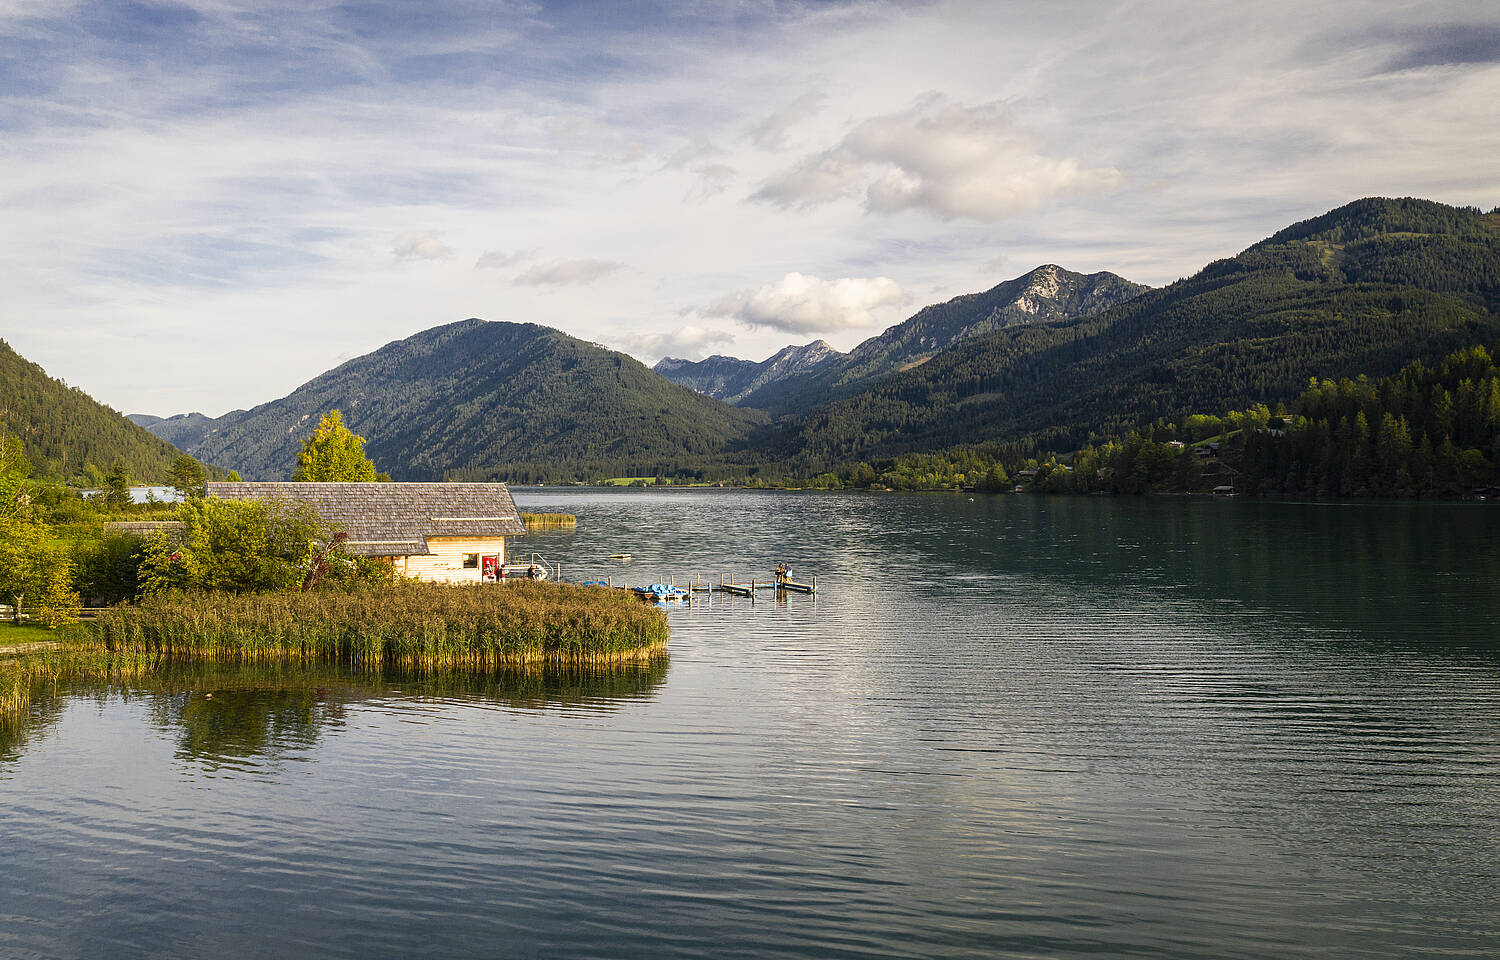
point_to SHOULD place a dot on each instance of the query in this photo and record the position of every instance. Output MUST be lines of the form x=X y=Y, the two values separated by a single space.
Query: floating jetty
x=669 y=588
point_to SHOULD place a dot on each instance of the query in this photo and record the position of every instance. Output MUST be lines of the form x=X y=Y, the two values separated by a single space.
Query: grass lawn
x=11 y=634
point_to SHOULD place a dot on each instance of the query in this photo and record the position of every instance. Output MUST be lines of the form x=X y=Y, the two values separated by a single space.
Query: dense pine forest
x=66 y=434
x=1429 y=431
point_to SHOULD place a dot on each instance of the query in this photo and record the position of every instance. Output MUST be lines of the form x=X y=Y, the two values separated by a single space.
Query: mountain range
x=740 y=381
x=1361 y=290
x=184 y=431
x=1049 y=360
x=799 y=379
x=479 y=399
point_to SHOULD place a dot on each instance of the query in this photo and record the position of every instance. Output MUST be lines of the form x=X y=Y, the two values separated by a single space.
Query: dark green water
x=1015 y=727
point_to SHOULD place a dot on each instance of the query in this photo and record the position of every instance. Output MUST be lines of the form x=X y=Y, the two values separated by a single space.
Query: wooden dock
x=728 y=585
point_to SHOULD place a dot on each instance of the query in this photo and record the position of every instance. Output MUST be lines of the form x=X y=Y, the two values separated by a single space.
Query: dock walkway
x=698 y=584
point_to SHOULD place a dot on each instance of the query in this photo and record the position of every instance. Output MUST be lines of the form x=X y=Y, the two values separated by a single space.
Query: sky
x=207 y=203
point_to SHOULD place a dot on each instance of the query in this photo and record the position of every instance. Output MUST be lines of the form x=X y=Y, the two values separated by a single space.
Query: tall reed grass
x=538 y=521
x=405 y=624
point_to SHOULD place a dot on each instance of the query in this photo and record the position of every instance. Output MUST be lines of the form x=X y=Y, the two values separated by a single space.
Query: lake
x=1006 y=727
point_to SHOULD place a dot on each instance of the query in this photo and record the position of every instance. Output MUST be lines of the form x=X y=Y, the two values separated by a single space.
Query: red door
x=488 y=566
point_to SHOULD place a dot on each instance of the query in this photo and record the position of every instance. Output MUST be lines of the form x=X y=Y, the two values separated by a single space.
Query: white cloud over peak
x=942 y=158
x=802 y=304
x=567 y=272
x=691 y=342
x=422 y=245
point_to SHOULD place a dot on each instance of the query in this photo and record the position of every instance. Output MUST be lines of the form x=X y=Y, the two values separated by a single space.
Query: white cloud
x=994 y=264
x=942 y=158
x=567 y=272
x=711 y=180
x=499 y=259
x=801 y=304
x=695 y=151
x=772 y=132
x=690 y=342
x=423 y=245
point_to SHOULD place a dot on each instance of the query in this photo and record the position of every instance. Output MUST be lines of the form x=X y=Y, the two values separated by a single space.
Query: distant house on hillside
x=451 y=532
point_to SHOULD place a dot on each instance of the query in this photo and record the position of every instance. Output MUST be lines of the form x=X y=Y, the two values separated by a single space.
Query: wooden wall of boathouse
x=446 y=562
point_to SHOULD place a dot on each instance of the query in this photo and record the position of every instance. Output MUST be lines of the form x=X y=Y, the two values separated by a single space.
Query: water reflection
x=1007 y=727
x=1407 y=574
x=225 y=714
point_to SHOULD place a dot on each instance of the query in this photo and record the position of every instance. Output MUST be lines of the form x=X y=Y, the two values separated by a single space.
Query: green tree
x=15 y=471
x=32 y=568
x=241 y=546
x=334 y=452
x=116 y=488
x=186 y=476
x=108 y=570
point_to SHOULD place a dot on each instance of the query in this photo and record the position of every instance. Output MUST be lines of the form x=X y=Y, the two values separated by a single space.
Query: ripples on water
x=1007 y=727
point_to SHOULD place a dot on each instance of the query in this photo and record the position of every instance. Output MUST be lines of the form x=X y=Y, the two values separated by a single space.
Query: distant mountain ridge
x=185 y=430
x=64 y=430
x=732 y=380
x=1037 y=363
x=486 y=400
x=1046 y=294
x=1363 y=289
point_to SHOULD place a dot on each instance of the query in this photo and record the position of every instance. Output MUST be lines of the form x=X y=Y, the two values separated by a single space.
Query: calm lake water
x=1008 y=727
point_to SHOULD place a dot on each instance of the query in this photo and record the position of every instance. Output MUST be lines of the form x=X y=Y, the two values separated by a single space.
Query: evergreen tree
x=186 y=476
x=116 y=490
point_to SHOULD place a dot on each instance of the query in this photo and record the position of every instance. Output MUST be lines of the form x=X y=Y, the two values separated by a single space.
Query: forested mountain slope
x=1045 y=295
x=1365 y=288
x=482 y=400
x=64 y=429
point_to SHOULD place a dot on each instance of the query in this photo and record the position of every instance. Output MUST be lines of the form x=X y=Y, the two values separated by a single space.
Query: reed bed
x=541 y=521
x=410 y=625
x=15 y=692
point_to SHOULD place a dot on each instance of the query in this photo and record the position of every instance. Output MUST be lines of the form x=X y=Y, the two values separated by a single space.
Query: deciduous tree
x=334 y=453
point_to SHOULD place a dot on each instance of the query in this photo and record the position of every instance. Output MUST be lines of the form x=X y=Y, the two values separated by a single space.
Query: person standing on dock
x=783 y=573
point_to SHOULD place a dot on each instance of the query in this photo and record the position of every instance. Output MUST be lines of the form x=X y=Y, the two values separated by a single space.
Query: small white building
x=447 y=532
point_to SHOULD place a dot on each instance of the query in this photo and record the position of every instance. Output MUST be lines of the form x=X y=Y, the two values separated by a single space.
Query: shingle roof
x=394 y=519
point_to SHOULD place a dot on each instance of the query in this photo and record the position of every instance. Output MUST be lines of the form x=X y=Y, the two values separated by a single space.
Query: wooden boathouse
x=445 y=532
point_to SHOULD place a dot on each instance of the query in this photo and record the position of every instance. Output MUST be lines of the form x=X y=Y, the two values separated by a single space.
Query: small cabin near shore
x=445 y=532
